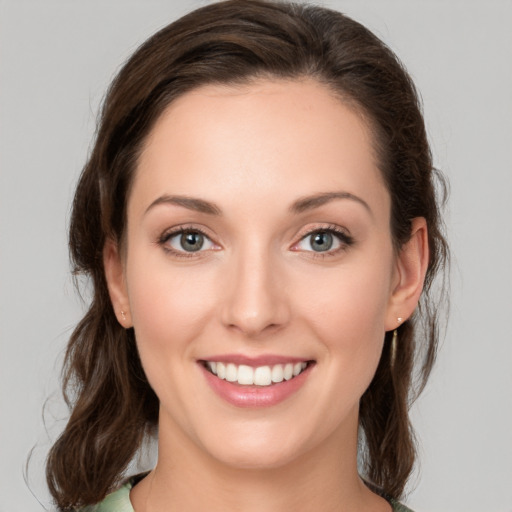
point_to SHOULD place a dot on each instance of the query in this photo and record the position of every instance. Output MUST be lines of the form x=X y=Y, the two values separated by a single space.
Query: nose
x=255 y=300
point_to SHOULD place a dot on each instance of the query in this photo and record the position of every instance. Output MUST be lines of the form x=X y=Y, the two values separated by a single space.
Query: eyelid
x=315 y=227
x=172 y=232
x=342 y=234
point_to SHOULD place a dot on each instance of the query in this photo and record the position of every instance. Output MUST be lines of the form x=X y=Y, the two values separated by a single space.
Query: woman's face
x=258 y=245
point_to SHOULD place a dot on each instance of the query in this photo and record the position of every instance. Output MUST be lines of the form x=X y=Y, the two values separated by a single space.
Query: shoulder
x=398 y=507
x=117 y=501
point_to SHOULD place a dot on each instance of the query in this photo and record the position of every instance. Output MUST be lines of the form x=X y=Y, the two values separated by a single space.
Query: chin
x=256 y=460
x=255 y=452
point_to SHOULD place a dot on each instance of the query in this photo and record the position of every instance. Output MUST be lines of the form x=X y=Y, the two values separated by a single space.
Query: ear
x=410 y=270
x=116 y=282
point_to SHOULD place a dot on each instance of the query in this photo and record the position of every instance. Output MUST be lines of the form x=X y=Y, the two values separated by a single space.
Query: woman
x=259 y=221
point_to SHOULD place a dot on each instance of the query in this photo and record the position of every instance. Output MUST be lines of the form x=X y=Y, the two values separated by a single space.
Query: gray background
x=56 y=58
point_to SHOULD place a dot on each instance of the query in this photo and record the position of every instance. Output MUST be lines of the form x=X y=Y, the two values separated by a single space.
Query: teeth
x=263 y=376
x=277 y=373
x=221 y=370
x=231 y=372
x=260 y=376
x=245 y=375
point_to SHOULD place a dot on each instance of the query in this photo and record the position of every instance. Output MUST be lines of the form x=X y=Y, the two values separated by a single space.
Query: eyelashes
x=186 y=242
x=324 y=241
x=320 y=242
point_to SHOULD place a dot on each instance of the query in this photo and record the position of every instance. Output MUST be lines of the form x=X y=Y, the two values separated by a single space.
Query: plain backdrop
x=56 y=59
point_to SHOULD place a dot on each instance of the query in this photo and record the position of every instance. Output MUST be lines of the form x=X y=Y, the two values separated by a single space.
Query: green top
x=119 y=501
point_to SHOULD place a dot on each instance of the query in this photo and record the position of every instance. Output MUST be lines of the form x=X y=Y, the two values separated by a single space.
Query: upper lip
x=255 y=361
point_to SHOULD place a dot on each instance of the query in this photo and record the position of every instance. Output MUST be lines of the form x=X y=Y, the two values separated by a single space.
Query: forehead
x=272 y=138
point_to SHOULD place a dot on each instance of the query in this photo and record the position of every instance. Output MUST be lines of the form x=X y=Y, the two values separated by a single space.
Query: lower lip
x=255 y=396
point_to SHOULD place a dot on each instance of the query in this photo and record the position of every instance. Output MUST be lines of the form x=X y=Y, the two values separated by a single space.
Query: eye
x=326 y=240
x=186 y=241
x=319 y=241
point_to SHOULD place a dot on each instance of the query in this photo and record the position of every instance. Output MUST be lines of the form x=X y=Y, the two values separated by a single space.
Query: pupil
x=322 y=241
x=192 y=241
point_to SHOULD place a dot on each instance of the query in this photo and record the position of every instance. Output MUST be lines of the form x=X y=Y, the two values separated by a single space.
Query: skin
x=257 y=287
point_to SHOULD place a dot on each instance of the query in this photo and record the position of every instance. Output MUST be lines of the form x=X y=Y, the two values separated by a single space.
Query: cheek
x=348 y=299
x=347 y=309
x=169 y=307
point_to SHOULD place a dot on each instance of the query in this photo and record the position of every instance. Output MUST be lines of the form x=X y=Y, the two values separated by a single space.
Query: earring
x=394 y=342
x=123 y=315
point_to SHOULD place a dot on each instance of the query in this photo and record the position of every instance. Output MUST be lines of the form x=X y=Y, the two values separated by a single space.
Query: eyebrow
x=299 y=206
x=315 y=201
x=191 y=203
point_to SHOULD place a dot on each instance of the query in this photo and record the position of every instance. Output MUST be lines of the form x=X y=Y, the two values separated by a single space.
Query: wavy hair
x=112 y=405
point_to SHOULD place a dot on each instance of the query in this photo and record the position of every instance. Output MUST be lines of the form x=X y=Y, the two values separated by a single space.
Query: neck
x=186 y=478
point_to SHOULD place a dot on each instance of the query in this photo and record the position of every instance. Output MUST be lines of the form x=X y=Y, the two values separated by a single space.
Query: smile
x=260 y=376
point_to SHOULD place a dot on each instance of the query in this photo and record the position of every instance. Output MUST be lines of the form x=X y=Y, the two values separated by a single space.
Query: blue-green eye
x=321 y=241
x=188 y=241
x=324 y=241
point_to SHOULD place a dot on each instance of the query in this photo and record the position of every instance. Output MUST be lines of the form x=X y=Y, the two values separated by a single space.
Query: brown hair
x=112 y=405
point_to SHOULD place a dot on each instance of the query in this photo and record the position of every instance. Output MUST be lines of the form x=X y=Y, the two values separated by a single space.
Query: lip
x=262 y=360
x=255 y=396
